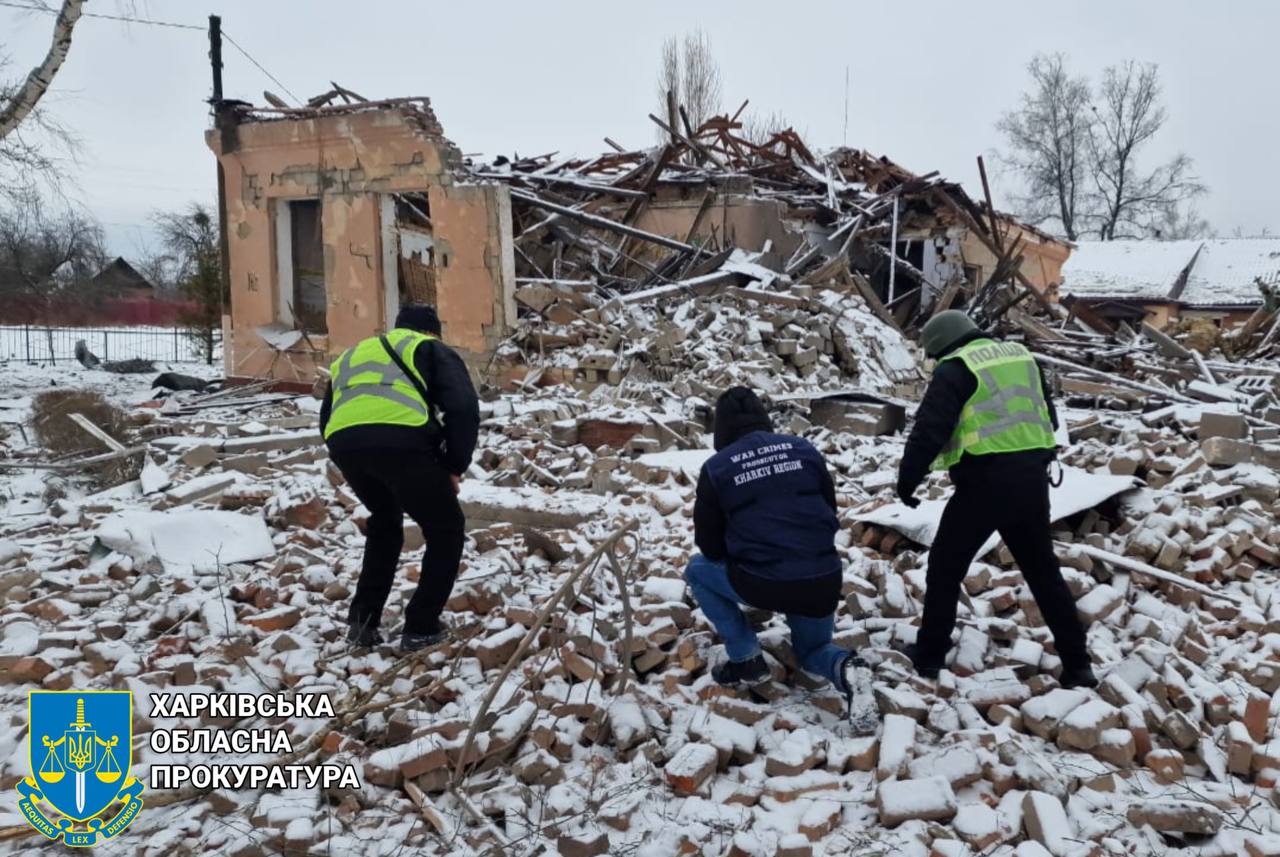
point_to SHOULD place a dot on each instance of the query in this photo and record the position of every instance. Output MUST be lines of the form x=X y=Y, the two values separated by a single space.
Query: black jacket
x=748 y=520
x=455 y=414
x=950 y=387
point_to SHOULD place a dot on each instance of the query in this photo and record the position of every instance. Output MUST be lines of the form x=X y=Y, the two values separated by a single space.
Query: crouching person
x=765 y=523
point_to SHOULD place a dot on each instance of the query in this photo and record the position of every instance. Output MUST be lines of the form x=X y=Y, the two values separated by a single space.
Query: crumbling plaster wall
x=349 y=161
x=748 y=222
x=1042 y=259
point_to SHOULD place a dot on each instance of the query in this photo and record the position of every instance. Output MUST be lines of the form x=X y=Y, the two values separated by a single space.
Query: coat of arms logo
x=81 y=746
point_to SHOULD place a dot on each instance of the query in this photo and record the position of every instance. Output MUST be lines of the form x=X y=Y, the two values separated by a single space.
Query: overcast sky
x=928 y=78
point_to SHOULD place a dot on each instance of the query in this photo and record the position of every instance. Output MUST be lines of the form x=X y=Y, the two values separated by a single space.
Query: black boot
x=363 y=633
x=925 y=668
x=411 y=642
x=1078 y=675
x=741 y=673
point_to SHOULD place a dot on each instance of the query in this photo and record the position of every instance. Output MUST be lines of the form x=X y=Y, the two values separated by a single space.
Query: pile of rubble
x=575 y=714
x=709 y=208
x=774 y=340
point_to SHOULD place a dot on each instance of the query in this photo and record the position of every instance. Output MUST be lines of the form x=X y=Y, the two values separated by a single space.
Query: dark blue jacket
x=766 y=506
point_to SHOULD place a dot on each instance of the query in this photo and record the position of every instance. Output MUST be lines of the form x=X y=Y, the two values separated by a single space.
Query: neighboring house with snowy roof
x=1161 y=281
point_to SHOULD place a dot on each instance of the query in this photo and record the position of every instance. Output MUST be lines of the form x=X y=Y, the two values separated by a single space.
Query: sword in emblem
x=80 y=753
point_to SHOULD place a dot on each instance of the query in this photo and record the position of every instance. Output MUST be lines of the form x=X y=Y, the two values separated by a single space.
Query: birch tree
x=32 y=140
x=17 y=103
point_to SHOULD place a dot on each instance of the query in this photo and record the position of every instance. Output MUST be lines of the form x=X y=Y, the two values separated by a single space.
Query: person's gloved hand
x=906 y=495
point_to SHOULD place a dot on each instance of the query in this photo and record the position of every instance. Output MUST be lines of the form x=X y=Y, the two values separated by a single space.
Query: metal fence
x=39 y=344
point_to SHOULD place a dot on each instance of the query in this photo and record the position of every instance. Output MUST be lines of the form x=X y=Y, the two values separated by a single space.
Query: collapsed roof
x=581 y=218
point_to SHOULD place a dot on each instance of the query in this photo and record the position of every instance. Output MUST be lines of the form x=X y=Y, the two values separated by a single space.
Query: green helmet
x=944 y=330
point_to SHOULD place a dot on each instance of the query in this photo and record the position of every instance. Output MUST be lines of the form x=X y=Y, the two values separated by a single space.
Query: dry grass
x=56 y=432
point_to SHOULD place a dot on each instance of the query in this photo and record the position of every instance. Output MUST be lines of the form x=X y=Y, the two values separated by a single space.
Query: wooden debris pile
x=632 y=222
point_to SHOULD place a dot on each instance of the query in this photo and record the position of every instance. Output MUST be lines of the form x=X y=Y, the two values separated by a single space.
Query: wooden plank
x=603 y=223
x=873 y=300
x=101 y=436
x=980 y=232
x=776 y=298
x=1151 y=571
x=704 y=285
x=1095 y=388
x=947 y=297
x=580 y=184
x=1168 y=346
x=75 y=464
x=1113 y=379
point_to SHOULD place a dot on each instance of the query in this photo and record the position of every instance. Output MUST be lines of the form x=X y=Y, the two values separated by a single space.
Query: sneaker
x=924 y=668
x=739 y=673
x=411 y=642
x=863 y=713
x=1081 y=676
x=364 y=635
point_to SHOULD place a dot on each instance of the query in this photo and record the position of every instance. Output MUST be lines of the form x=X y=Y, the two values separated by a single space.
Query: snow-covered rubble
x=608 y=735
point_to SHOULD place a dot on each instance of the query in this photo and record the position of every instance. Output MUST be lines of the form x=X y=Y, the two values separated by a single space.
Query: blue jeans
x=810 y=638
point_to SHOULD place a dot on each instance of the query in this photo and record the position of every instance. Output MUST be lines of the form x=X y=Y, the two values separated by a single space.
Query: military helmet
x=944 y=330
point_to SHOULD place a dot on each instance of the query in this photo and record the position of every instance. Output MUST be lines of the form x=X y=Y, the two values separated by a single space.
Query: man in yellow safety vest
x=400 y=418
x=987 y=418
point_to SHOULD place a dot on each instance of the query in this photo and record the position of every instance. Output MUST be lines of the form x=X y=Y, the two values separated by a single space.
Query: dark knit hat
x=739 y=412
x=419 y=317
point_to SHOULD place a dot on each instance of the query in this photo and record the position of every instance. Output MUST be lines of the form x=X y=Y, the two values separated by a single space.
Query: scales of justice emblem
x=82 y=741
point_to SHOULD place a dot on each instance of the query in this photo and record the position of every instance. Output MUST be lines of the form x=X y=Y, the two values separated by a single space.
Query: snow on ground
x=111 y=587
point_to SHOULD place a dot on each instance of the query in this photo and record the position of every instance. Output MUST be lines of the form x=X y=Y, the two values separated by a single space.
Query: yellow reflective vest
x=370 y=389
x=1007 y=412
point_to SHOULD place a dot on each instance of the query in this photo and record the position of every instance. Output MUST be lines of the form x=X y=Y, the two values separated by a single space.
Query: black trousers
x=392 y=483
x=1015 y=504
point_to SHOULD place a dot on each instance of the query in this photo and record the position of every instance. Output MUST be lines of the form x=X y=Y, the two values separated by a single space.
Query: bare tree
x=158 y=268
x=689 y=70
x=45 y=255
x=1241 y=232
x=34 y=153
x=759 y=128
x=1128 y=114
x=17 y=104
x=1179 y=223
x=190 y=238
x=1048 y=139
x=1077 y=154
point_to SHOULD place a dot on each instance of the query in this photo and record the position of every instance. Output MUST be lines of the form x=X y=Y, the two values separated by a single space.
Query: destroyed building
x=573 y=711
x=1159 y=282
x=335 y=215
x=338 y=213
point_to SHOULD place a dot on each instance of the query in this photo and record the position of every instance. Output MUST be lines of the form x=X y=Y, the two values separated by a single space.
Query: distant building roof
x=1227 y=271
x=1218 y=272
x=121 y=275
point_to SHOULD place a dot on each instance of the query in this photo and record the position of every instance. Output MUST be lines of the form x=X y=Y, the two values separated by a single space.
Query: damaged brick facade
x=322 y=207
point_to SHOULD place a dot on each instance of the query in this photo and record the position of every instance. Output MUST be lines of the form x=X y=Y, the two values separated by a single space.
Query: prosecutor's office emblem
x=80 y=743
